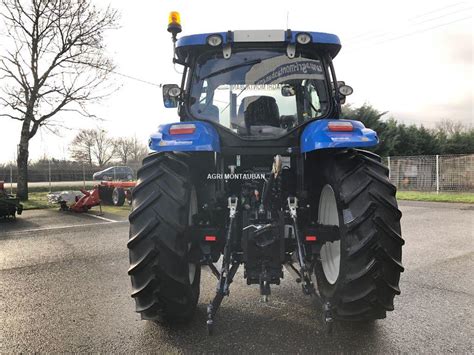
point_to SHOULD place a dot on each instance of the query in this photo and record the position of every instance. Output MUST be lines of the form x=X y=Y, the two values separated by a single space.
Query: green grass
x=464 y=197
x=54 y=188
x=39 y=200
x=36 y=201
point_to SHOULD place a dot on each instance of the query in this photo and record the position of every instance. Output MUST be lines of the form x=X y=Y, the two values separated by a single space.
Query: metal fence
x=55 y=175
x=435 y=173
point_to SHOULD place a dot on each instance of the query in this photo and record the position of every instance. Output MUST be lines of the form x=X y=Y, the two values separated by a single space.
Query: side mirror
x=171 y=94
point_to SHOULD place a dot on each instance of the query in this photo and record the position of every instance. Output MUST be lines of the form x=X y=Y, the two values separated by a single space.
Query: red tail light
x=340 y=126
x=311 y=238
x=210 y=238
x=182 y=129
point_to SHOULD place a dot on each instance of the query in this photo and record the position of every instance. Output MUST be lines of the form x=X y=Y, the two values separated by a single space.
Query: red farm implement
x=108 y=192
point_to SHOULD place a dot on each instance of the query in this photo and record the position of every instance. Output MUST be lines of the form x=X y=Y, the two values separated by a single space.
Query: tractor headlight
x=214 y=40
x=345 y=90
x=303 y=38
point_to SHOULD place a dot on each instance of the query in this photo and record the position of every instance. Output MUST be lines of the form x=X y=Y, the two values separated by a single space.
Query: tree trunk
x=89 y=155
x=22 y=162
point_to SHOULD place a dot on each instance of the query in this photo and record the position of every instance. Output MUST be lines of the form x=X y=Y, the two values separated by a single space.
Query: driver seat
x=260 y=111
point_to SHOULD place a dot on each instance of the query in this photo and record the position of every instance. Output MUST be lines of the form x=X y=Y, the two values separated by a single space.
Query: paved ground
x=66 y=289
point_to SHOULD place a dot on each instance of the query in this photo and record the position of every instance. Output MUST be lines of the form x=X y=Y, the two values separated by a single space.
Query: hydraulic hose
x=267 y=187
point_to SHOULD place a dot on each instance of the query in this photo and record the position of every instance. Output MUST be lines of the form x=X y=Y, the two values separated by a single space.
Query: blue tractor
x=261 y=173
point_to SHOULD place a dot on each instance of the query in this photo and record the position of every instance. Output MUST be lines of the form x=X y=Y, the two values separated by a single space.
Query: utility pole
x=11 y=179
x=49 y=174
x=437 y=173
x=84 y=175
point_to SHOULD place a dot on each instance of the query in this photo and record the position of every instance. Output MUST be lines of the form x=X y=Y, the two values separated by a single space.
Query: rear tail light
x=340 y=126
x=210 y=238
x=182 y=129
x=311 y=238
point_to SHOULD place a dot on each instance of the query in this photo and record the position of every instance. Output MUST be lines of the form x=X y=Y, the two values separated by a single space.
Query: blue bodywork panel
x=204 y=138
x=316 y=135
x=200 y=39
x=316 y=38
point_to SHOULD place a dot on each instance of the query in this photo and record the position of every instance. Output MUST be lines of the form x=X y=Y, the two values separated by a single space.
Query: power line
x=374 y=36
x=436 y=10
x=442 y=16
x=409 y=34
x=132 y=78
x=410 y=19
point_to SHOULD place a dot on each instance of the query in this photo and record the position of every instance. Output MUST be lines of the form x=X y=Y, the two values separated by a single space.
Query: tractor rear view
x=261 y=173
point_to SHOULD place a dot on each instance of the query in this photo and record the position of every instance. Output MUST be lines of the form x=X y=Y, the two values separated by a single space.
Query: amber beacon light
x=174 y=23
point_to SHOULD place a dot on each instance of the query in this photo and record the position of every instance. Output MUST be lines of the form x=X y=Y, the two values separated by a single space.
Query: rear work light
x=343 y=126
x=303 y=38
x=214 y=40
x=182 y=129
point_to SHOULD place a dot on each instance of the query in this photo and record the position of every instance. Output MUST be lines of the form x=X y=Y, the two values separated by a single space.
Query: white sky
x=411 y=58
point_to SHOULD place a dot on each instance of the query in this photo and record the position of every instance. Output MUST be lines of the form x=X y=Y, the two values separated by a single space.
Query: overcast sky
x=411 y=58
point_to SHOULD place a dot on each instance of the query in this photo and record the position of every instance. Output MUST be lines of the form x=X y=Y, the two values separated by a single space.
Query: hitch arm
x=227 y=273
x=308 y=287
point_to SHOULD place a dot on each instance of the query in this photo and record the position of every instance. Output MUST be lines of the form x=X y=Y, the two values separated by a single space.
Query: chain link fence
x=56 y=175
x=432 y=173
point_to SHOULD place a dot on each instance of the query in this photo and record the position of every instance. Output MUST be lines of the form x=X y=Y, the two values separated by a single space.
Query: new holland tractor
x=261 y=173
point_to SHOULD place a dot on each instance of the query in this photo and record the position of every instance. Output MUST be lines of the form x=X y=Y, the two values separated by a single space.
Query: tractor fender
x=204 y=138
x=316 y=135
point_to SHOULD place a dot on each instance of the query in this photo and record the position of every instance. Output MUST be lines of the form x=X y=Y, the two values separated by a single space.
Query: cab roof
x=319 y=40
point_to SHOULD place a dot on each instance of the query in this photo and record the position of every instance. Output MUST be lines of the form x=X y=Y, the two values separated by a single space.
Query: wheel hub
x=330 y=251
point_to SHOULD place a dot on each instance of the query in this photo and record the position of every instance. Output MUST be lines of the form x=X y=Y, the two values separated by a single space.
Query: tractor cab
x=257 y=85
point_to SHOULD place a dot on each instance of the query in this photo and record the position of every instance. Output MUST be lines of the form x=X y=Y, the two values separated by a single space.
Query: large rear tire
x=165 y=281
x=359 y=274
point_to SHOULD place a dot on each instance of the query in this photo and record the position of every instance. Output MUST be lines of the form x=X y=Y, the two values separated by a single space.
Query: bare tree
x=93 y=146
x=56 y=63
x=103 y=149
x=450 y=127
x=123 y=149
x=139 y=151
x=82 y=145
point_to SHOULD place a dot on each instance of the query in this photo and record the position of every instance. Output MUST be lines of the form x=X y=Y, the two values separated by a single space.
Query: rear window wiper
x=224 y=70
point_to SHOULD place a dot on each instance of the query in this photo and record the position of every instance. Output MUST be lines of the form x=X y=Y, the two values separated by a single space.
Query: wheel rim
x=115 y=197
x=330 y=251
x=192 y=211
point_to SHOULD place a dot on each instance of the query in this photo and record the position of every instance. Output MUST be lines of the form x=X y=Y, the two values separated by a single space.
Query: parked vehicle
x=261 y=172
x=10 y=206
x=114 y=173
